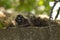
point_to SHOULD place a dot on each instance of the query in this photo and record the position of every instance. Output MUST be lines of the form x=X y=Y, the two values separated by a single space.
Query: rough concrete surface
x=30 y=33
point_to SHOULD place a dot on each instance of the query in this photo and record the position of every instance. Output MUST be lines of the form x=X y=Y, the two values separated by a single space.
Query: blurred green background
x=40 y=6
x=34 y=6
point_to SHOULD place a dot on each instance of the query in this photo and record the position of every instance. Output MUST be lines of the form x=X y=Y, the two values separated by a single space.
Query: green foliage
x=7 y=3
x=26 y=5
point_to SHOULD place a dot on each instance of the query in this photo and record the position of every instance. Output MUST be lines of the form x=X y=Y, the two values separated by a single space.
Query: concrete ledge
x=35 y=33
